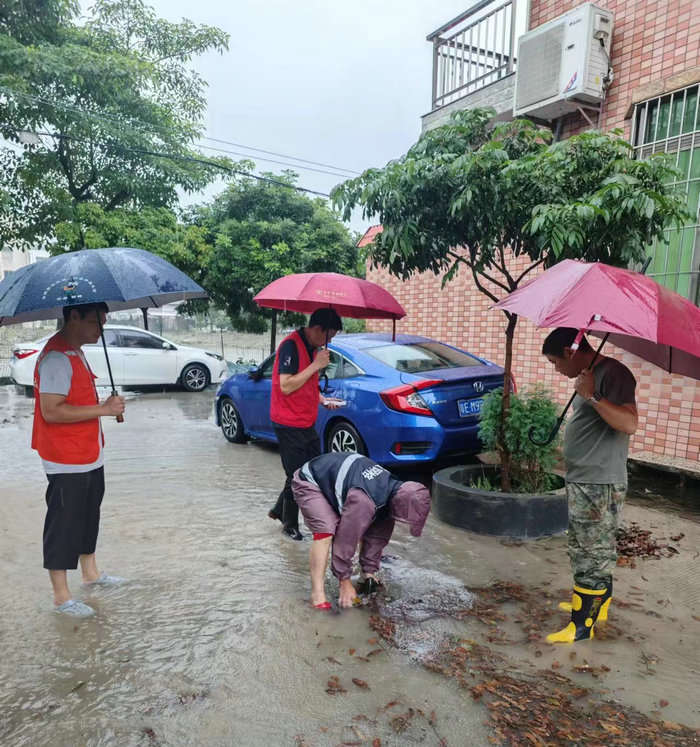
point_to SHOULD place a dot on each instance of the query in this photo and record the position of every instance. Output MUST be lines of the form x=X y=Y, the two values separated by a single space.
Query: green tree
x=260 y=230
x=157 y=230
x=89 y=109
x=473 y=195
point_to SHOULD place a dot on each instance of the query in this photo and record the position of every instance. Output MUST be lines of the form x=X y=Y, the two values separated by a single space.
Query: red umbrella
x=641 y=316
x=350 y=297
x=634 y=311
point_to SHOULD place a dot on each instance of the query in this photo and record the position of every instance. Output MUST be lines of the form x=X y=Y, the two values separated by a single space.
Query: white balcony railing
x=478 y=51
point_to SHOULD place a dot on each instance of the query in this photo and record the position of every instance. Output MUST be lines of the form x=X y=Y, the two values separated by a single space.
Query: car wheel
x=231 y=423
x=344 y=437
x=195 y=377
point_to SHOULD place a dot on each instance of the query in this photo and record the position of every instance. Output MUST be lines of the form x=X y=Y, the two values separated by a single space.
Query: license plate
x=469 y=407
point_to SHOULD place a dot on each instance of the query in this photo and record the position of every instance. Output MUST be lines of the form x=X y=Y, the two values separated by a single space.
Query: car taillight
x=406 y=398
x=20 y=353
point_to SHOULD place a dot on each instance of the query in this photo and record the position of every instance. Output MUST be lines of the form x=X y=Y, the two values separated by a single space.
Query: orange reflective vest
x=298 y=409
x=67 y=443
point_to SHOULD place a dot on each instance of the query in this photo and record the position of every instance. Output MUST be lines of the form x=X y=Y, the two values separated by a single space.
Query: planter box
x=521 y=515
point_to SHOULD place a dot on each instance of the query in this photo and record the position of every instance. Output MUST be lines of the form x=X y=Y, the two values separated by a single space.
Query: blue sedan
x=409 y=400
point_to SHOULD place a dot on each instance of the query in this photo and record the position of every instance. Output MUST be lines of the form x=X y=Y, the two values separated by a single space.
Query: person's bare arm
x=622 y=418
x=54 y=409
x=289 y=383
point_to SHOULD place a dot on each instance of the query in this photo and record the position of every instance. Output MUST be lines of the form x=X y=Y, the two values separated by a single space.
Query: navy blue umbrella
x=123 y=278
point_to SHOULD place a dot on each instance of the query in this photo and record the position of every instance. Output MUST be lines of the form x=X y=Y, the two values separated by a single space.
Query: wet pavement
x=212 y=642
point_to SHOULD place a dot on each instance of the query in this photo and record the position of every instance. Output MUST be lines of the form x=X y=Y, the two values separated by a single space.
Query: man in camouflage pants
x=596 y=443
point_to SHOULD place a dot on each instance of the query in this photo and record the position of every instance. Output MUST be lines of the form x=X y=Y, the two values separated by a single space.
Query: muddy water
x=212 y=641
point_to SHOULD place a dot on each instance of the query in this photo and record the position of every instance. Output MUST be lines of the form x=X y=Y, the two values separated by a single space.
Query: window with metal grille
x=671 y=124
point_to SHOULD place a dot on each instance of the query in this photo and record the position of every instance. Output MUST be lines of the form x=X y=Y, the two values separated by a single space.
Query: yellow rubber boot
x=585 y=609
x=603 y=616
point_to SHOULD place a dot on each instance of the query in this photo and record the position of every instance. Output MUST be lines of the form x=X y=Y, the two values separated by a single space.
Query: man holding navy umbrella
x=68 y=436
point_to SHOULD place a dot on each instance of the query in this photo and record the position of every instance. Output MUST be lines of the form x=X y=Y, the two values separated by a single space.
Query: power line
x=192 y=159
x=281 y=155
x=269 y=160
x=153 y=127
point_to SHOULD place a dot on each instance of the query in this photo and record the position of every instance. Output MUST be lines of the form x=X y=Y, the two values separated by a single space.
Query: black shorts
x=72 y=518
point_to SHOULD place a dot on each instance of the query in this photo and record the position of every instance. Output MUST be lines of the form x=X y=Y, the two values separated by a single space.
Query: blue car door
x=257 y=395
x=333 y=382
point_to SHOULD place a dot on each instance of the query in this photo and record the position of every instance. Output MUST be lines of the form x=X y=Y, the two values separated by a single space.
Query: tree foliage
x=102 y=112
x=261 y=230
x=472 y=194
x=532 y=463
x=475 y=195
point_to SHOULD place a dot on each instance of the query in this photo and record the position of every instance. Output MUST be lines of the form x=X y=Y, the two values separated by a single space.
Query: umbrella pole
x=273 y=332
x=393 y=329
x=120 y=418
x=560 y=419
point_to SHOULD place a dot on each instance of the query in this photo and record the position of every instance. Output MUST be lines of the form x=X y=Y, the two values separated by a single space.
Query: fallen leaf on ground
x=351 y=651
x=361 y=683
x=334 y=687
x=663 y=703
x=375 y=651
x=373 y=641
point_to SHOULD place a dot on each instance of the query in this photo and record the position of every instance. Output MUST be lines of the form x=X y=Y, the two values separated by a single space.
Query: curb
x=522 y=515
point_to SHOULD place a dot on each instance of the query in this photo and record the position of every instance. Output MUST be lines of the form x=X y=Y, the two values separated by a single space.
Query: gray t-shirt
x=594 y=452
x=56 y=373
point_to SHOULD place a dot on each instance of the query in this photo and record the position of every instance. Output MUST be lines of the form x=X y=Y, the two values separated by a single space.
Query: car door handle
x=129 y=353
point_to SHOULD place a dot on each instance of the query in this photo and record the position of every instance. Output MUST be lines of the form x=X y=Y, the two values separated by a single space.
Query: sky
x=342 y=82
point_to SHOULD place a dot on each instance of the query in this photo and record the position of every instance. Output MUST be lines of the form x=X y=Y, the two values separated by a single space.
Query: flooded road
x=212 y=641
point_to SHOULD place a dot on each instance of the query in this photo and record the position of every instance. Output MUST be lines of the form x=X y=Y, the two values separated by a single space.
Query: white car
x=137 y=358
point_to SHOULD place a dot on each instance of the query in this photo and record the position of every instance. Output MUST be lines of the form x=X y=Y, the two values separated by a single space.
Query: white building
x=14 y=259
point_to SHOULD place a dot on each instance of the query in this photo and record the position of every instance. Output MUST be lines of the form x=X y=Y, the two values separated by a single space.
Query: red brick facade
x=652 y=43
x=656 y=47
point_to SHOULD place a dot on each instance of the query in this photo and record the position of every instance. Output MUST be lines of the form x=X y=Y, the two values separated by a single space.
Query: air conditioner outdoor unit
x=564 y=64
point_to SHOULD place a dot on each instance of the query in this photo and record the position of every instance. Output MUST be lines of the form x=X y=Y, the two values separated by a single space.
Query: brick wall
x=656 y=47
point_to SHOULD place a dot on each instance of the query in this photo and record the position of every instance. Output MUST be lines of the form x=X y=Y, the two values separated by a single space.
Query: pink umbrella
x=634 y=311
x=350 y=297
x=641 y=316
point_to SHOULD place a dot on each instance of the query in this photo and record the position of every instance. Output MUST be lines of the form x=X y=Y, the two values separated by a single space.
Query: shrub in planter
x=531 y=465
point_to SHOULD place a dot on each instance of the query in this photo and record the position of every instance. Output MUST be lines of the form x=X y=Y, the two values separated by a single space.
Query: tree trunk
x=503 y=451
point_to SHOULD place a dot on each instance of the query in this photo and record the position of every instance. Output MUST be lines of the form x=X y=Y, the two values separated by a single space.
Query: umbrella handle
x=120 y=418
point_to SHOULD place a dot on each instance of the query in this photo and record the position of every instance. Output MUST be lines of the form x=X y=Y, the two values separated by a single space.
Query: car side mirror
x=254 y=373
x=168 y=346
x=324 y=387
